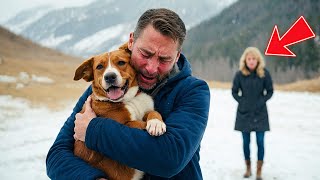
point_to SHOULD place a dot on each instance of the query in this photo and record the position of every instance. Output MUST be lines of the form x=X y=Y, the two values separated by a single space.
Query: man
x=182 y=100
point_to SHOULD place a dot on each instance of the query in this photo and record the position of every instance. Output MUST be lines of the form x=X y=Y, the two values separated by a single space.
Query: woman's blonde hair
x=260 y=66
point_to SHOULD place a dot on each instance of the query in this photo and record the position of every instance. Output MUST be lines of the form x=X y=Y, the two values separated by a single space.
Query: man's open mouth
x=115 y=93
x=146 y=77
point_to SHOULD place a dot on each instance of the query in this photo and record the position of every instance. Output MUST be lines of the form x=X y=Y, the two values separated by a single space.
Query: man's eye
x=164 y=61
x=99 y=66
x=145 y=55
x=121 y=63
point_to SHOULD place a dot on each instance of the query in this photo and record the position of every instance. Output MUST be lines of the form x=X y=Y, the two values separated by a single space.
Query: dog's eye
x=99 y=66
x=121 y=63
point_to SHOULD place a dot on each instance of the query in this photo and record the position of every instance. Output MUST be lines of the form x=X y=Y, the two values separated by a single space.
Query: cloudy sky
x=9 y=8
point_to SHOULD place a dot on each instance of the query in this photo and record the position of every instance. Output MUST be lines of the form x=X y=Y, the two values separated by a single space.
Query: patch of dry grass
x=312 y=85
x=54 y=95
x=219 y=85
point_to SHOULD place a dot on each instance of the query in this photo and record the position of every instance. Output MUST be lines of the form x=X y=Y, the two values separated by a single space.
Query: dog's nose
x=110 y=78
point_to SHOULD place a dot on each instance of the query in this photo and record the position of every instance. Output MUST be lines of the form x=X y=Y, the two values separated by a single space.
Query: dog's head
x=113 y=78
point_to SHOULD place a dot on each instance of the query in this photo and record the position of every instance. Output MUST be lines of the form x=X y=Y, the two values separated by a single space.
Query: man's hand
x=82 y=121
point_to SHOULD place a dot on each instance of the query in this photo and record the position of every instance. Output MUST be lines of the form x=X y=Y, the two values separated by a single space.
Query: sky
x=9 y=8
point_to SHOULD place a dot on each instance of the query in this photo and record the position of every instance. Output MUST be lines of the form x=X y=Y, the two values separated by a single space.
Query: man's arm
x=162 y=156
x=61 y=162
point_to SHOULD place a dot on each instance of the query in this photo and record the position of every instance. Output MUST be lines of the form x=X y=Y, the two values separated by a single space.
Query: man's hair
x=165 y=21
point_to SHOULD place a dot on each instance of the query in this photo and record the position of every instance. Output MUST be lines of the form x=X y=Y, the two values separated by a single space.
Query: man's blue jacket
x=183 y=103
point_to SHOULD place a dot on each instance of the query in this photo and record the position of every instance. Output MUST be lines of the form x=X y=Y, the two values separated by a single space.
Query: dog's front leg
x=136 y=124
x=155 y=124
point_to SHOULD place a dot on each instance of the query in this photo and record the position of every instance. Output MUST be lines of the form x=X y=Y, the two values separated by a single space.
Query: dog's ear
x=85 y=71
x=125 y=47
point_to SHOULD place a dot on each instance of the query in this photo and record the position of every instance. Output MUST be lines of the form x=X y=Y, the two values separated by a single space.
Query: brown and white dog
x=116 y=95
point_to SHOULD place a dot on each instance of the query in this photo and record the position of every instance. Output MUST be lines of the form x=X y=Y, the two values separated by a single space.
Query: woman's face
x=251 y=61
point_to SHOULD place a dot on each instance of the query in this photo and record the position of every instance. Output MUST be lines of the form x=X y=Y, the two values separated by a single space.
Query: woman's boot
x=248 y=170
x=259 y=168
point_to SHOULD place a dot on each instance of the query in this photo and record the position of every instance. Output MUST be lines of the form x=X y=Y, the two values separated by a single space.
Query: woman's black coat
x=252 y=93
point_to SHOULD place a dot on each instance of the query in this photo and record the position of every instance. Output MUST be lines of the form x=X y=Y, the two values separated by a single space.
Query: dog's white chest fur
x=139 y=105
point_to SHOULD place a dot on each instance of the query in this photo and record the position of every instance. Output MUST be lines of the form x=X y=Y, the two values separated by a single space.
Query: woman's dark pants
x=246 y=145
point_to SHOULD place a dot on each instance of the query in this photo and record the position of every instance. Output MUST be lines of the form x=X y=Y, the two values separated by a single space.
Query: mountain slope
x=39 y=74
x=14 y=46
x=26 y=17
x=104 y=24
x=216 y=45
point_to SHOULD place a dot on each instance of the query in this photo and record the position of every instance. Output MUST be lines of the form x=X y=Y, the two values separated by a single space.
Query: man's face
x=153 y=56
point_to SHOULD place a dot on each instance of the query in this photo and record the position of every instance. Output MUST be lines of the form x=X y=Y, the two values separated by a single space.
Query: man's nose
x=152 y=66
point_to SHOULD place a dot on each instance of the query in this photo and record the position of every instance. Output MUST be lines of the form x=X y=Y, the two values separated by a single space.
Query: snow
x=96 y=40
x=41 y=79
x=292 y=147
x=26 y=135
x=20 y=85
x=19 y=28
x=7 y=79
x=24 y=78
x=53 y=41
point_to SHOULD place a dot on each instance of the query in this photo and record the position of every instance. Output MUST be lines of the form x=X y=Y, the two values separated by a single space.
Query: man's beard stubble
x=158 y=77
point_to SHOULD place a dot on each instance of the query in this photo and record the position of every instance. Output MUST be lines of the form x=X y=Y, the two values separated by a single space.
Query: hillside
x=39 y=74
x=45 y=76
x=102 y=24
x=216 y=45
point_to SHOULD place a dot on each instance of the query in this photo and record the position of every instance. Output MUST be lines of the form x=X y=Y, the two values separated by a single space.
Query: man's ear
x=130 y=42
x=85 y=71
x=178 y=56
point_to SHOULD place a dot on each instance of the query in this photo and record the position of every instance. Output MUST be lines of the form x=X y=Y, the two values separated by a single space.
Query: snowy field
x=292 y=147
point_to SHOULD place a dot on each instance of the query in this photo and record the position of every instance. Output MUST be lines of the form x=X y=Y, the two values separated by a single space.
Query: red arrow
x=298 y=32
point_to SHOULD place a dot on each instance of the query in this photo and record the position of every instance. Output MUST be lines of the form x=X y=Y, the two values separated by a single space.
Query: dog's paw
x=155 y=127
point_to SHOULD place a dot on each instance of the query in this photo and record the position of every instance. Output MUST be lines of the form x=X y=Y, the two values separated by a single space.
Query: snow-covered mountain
x=27 y=17
x=101 y=25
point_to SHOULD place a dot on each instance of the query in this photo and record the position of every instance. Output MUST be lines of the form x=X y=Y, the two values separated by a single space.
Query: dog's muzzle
x=110 y=78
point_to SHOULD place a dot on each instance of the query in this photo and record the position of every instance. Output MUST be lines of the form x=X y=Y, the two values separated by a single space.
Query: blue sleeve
x=163 y=156
x=61 y=162
x=236 y=86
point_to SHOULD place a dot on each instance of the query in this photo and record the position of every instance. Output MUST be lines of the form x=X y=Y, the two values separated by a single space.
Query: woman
x=252 y=88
